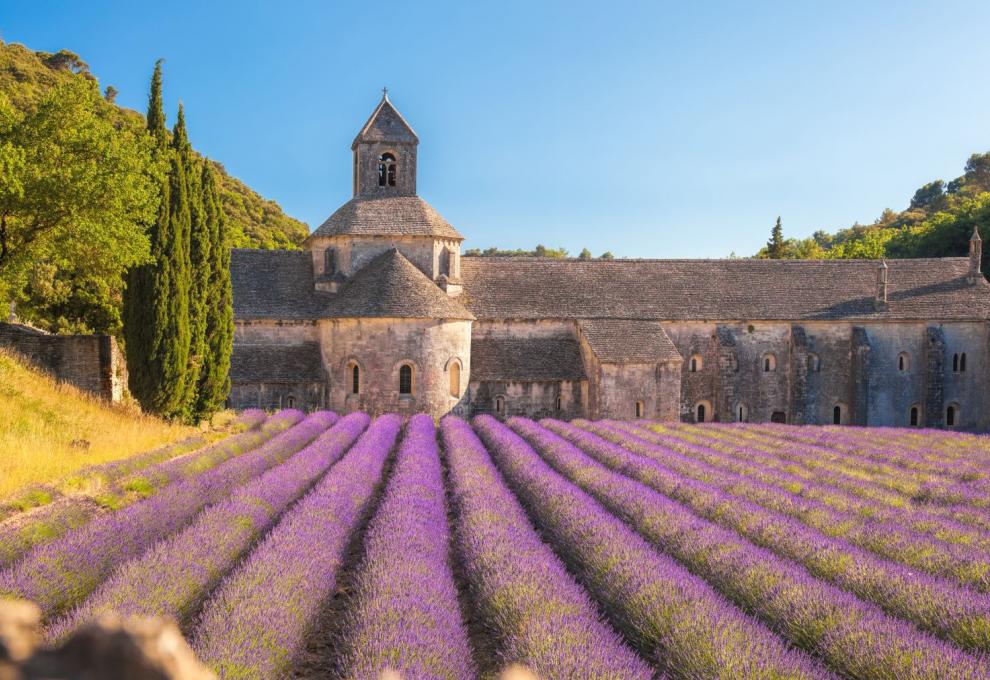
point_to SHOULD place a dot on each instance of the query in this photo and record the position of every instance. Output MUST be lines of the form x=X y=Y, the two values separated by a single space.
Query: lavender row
x=20 y=535
x=837 y=468
x=59 y=575
x=953 y=613
x=256 y=623
x=172 y=578
x=405 y=614
x=539 y=616
x=694 y=631
x=914 y=537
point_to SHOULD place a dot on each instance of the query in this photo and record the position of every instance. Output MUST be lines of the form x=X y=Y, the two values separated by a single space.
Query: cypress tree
x=199 y=264
x=214 y=377
x=775 y=246
x=156 y=305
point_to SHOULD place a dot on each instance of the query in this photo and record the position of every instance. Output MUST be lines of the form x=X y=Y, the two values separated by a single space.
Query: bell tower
x=385 y=154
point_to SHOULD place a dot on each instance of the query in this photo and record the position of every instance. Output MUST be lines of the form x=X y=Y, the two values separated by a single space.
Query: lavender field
x=325 y=546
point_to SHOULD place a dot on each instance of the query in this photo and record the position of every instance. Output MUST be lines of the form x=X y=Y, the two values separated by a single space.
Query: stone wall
x=351 y=253
x=379 y=347
x=531 y=398
x=92 y=363
x=272 y=396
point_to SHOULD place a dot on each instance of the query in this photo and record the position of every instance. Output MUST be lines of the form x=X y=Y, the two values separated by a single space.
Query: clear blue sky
x=651 y=129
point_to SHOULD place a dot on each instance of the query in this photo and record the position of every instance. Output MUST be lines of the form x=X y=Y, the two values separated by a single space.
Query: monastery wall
x=265 y=332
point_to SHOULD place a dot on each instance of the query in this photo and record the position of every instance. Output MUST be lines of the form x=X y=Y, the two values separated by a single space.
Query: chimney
x=975 y=257
x=881 y=300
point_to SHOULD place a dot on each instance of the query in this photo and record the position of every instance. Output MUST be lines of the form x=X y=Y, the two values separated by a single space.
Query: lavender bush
x=172 y=577
x=540 y=617
x=694 y=631
x=256 y=623
x=405 y=576
x=59 y=575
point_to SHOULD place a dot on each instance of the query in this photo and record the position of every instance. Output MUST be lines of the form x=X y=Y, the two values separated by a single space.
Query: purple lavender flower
x=541 y=618
x=256 y=622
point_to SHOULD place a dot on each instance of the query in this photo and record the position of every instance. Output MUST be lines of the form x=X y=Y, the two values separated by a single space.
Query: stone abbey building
x=380 y=312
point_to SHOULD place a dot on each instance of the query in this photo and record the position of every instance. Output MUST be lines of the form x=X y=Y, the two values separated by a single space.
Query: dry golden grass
x=49 y=430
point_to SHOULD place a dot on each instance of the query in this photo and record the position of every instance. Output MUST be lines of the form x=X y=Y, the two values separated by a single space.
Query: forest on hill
x=938 y=222
x=60 y=263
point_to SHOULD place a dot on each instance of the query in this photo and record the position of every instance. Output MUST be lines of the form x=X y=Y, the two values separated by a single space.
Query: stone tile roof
x=276 y=363
x=274 y=284
x=618 y=341
x=386 y=124
x=526 y=359
x=392 y=286
x=544 y=288
x=387 y=216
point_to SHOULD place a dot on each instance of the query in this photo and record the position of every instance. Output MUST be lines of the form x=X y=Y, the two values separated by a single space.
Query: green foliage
x=775 y=248
x=75 y=285
x=539 y=251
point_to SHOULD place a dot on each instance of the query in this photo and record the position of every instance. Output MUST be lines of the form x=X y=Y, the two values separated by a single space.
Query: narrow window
x=290 y=402
x=903 y=362
x=560 y=403
x=445 y=261
x=639 y=409
x=914 y=416
x=386 y=170
x=499 y=405
x=837 y=415
x=769 y=363
x=962 y=362
x=741 y=413
x=405 y=379
x=814 y=363
x=950 y=416
x=455 y=379
x=700 y=413
x=955 y=363
x=355 y=379
x=696 y=363
x=330 y=262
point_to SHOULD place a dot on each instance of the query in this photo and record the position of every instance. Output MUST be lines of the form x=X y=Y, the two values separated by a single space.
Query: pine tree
x=199 y=263
x=156 y=305
x=214 y=378
x=775 y=246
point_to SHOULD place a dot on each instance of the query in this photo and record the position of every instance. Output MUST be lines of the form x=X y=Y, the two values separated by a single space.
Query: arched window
x=290 y=402
x=837 y=414
x=445 y=261
x=500 y=405
x=355 y=379
x=695 y=364
x=742 y=413
x=329 y=261
x=962 y=362
x=386 y=170
x=455 y=379
x=952 y=415
x=639 y=409
x=769 y=363
x=405 y=379
x=699 y=413
x=915 y=416
x=955 y=363
x=903 y=362
x=814 y=363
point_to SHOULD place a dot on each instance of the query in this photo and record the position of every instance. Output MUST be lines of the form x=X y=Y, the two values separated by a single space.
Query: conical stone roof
x=387 y=216
x=390 y=286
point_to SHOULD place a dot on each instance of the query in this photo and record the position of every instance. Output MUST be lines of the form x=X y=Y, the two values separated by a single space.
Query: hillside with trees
x=70 y=227
x=938 y=222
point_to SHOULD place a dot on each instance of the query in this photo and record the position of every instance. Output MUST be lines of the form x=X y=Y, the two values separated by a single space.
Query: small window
x=560 y=403
x=455 y=379
x=769 y=363
x=903 y=362
x=500 y=405
x=955 y=363
x=695 y=364
x=355 y=379
x=386 y=170
x=405 y=379
x=290 y=401
x=639 y=409
x=329 y=261
x=742 y=413
x=814 y=363
x=444 y=261
x=962 y=362
x=837 y=414
x=701 y=412
x=951 y=415
x=915 y=416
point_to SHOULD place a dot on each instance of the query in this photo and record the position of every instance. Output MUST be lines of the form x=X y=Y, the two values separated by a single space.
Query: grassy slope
x=49 y=430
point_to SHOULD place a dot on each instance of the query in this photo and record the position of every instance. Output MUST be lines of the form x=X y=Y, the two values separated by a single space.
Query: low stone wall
x=92 y=363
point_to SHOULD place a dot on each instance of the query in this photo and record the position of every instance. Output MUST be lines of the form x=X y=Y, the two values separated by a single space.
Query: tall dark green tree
x=214 y=379
x=775 y=246
x=156 y=309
